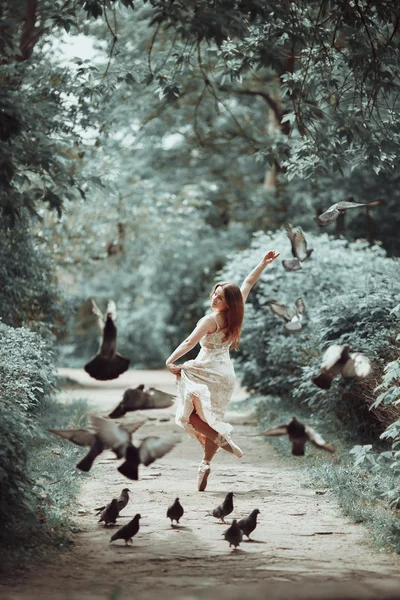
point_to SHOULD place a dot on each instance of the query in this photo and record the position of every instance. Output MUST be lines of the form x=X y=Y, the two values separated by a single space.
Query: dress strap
x=216 y=322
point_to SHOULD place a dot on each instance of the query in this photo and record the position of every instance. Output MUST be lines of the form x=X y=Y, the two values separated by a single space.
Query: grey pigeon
x=118 y=439
x=292 y=264
x=292 y=316
x=110 y=514
x=299 y=434
x=106 y=433
x=298 y=242
x=248 y=524
x=127 y=532
x=224 y=509
x=333 y=212
x=107 y=364
x=122 y=501
x=141 y=398
x=339 y=360
x=233 y=535
x=175 y=511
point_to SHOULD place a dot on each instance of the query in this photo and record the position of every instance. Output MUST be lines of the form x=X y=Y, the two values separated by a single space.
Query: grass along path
x=304 y=547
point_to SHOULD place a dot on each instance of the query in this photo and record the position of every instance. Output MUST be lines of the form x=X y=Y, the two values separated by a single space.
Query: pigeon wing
x=286 y=312
x=300 y=246
x=154 y=447
x=300 y=308
x=357 y=366
x=111 y=434
x=292 y=264
x=317 y=440
x=132 y=427
x=275 y=431
x=331 y=356
x=80 y=437
x=290 y=234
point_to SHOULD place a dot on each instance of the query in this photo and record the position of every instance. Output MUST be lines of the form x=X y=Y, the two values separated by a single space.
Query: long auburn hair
x=234 y=300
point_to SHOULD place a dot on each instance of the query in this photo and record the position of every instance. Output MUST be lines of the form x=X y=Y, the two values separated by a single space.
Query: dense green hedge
x=349 y=290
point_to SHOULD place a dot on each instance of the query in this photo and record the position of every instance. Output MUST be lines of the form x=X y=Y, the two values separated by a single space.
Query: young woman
x=206 y=384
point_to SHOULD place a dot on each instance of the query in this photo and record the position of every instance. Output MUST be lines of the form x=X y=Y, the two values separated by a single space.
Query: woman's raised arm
x=256 y=273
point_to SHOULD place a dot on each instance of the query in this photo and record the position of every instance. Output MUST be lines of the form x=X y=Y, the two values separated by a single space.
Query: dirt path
x=304 y=547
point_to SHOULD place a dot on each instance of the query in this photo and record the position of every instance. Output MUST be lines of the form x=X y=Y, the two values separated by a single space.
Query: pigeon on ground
x=107 y=364
x=127 y=532
x=122 y=501
x=224 y=509
x=233 y=535
x=333 y=212
x=110 y=514
x=175 y=511
x=141 y=398
x=248 y=524
x=339 y=360
x=292 y=316
x=96 y=440
x=118 y=439
x=299 y=244
x=299 y=434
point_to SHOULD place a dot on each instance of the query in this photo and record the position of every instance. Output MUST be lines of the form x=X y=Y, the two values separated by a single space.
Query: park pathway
x=304 y=548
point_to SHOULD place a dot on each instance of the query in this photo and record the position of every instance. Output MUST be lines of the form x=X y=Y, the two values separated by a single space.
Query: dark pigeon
x=333 y=212
x=110 y=514
x=338 y=360
x=122 y=501
x=224 y=509
x=299 y=434
x=107 y=364
x=127 y=532
x=175 y=511
x=233 y=535
x=141 y=398
x=149 y=450
x=248 y=524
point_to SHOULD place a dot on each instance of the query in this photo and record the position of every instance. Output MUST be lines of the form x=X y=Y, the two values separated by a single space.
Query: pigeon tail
x=105 y=369
x=130 y=470
x=323 y=381
x=117 y=412
x=298 y=448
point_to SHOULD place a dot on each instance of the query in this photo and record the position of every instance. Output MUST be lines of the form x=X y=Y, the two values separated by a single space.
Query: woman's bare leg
x=209 y=450
x=204 y=428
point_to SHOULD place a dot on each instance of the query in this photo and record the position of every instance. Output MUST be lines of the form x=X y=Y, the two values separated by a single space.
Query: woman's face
x=218 y=300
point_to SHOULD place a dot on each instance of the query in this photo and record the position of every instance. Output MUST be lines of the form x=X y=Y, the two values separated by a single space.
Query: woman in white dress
x=206 y=384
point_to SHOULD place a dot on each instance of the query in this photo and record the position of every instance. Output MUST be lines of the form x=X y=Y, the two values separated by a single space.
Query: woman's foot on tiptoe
x=204 y=471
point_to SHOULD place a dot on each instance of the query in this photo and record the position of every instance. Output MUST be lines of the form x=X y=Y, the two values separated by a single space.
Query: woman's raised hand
x=270 y=257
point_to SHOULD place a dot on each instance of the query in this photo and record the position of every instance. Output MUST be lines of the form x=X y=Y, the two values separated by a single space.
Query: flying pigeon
x=298 y=242
x=292 y=316
x=175 y=511
x=107 y=364
x=110 y=514
x=233 y=535
x=224 y=509
x=299 y=434
x=141 y=398
x=339 y=360
x=96 y=440
x=248 y=524
x=333 y=212
x=122 y=501
x=127 y=532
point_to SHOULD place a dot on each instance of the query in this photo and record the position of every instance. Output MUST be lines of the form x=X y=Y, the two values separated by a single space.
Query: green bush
x=349 y=289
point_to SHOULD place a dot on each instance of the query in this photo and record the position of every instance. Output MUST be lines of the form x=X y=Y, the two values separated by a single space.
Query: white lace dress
x=209 y=377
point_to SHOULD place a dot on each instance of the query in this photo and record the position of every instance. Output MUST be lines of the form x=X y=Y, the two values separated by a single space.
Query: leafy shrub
x=349 y=289
x=30 y=508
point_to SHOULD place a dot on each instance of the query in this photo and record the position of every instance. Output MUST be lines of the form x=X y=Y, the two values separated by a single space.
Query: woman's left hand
x=270 y=257
x=174 y=369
